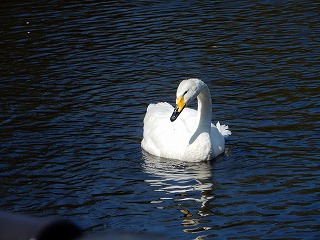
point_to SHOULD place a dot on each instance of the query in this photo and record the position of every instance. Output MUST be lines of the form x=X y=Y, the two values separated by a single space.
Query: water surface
x=76 y=79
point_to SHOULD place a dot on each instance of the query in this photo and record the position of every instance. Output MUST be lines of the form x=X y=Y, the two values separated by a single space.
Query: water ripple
x=76 y=79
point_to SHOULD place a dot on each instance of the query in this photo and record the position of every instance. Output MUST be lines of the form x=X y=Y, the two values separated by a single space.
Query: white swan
x=189 y=137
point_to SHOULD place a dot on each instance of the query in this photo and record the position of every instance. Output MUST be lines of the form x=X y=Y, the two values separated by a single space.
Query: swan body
x=183 y=133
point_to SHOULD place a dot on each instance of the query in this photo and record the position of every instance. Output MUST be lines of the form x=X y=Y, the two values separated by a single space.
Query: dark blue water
x=75 y=81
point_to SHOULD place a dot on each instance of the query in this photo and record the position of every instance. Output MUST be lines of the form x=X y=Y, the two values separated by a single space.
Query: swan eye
x=185 y=93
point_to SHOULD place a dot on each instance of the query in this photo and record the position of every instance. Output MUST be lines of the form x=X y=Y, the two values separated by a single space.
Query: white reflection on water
x=180 y=181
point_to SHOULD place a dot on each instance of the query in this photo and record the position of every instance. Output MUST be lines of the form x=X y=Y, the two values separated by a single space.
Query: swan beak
x=180 y=106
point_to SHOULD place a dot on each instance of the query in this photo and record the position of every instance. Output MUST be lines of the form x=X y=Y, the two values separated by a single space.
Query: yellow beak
x=180 y=104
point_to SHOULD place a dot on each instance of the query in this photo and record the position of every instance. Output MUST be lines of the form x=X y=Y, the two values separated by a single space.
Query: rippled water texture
x=76 y=79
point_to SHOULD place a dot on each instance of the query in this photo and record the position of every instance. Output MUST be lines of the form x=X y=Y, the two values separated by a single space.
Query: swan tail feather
x=223 y=129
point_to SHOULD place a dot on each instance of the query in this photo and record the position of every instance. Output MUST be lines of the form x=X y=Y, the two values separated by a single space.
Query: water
x=76 y=79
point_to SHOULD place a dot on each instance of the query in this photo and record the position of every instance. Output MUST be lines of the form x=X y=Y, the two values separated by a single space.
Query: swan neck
x=204 y=114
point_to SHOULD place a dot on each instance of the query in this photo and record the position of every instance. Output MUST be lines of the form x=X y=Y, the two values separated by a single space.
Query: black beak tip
x=173 y=118
x=174 y=115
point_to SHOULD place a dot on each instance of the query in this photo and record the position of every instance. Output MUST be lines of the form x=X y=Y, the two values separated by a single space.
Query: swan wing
x=164 y=138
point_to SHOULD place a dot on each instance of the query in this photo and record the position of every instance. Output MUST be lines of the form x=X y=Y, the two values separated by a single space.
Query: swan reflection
x=180 y=181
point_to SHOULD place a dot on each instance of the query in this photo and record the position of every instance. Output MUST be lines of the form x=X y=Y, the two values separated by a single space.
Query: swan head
x=187 y=91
